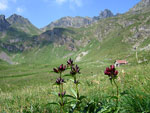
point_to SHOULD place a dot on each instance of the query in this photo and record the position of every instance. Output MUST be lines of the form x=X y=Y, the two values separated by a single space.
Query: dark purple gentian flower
x=59 y=81
x=75 y=70
x=111 y=72
x=60 y=69
x=70 y=62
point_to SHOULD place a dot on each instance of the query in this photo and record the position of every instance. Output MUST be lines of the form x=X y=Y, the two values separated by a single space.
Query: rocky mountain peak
x=106 y=13
x=69 y=22
x=2 y=17
x=17 y=19
x=141 y=5
x=3 y=23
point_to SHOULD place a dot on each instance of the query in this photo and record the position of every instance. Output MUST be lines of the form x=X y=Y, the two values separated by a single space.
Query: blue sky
x=42 y=12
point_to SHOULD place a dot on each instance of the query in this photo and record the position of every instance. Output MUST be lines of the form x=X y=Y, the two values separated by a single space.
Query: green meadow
x=27 y=86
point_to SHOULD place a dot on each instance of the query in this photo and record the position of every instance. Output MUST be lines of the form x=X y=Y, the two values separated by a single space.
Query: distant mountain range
x=77 y=21
x=126 y=31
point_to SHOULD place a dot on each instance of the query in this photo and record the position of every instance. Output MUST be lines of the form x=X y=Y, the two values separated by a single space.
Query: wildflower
x=75 y=70
x=111 y=72
x=56 y=70
x=62 y=94
x=70 y=62
x=60 y=69
x=59 y=81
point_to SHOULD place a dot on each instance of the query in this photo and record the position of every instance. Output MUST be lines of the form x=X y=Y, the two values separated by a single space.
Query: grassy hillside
x=28 y=86
x=29 y=29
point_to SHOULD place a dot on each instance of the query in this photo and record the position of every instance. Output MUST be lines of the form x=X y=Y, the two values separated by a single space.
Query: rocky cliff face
x=3 y=23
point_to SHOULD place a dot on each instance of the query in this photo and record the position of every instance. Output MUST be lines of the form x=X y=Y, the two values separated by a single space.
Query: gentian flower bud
x=55 y=70
x=107 y=69
x=59 y=81
x=62 y=94
x=60 y=69
x=116 y=73
x=70 y=62
x=75 y=70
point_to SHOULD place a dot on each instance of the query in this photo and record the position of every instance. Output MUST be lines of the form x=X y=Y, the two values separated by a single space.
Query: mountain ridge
x=77 y=21
x=141 y=6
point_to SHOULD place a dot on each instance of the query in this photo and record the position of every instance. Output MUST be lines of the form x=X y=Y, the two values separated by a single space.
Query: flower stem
x=117 y=92
x=77 y=91
x=61 y=98
x=60 y=75
x=62 y=102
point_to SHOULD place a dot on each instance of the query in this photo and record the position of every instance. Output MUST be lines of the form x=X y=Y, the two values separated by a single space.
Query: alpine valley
x=28 y=55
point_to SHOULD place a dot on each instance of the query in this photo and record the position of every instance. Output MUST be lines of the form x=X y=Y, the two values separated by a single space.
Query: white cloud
x=60 y=1
x=19 y=10
x=3 y=5
x=77 y=2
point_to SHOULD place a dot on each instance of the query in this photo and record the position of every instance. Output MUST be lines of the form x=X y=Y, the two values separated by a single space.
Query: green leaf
x=73 y=91
x=73 y=102
x=67 y=75
x=70 y=96
x=52 y=103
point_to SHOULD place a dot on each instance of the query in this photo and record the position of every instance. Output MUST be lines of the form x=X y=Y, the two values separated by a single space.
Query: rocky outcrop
x=3 y=23
x=106 y=13
x=144 y=4
x=12 y=48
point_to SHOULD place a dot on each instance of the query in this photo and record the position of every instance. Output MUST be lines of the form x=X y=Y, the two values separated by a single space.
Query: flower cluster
x=111 y=72
x=75 y=70
x=60 y=69
x=59 y=81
